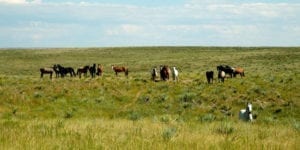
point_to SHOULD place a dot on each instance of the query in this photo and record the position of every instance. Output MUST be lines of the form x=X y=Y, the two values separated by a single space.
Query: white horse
x=245 y=114
x=175 y=74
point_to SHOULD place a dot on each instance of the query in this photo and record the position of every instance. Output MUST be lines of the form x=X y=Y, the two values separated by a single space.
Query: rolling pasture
x=118 y=112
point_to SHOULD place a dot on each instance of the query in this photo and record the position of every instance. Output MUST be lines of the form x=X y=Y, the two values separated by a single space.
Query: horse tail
x=126 y=72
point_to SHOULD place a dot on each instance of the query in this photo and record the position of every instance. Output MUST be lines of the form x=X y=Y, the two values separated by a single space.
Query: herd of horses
x=61 y=71
x=163 y=74
x=224 y=70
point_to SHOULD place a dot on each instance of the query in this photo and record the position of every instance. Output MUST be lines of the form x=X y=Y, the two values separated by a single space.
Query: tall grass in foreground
x=143 y=134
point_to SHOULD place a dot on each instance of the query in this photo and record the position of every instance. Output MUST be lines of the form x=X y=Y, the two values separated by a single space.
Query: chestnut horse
x=238 y=70
x=46 y=71
x=99 y=70
x=118 y=69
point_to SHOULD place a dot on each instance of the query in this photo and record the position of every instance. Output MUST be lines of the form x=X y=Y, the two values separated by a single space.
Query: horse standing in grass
x=99 y=70
x=118 y=69
x=93 y=71
x=175 y=74
x=240 y=71
x=246 y=114
x=65 y=70
x=46 y=71
x=154 y=74
x=227 y=69
x=210 y=76
x=83 y=70
x=165 y=72
x=221 y=76
x=56 y=70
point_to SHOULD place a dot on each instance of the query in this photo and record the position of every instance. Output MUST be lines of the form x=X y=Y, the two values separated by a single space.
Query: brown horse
x=46 y=71
x=99 y=70
x=118 y=69
x=83 y=70
x=165 y=72
x=239 y=70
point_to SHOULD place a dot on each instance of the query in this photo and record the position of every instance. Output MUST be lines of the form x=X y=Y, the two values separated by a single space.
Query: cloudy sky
x=105 y=23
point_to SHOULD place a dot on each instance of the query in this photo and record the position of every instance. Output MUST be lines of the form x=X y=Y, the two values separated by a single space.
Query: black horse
x=93 y=70
x=56 y=70
x=65 y=70
x=227 y=69
x=210 y=76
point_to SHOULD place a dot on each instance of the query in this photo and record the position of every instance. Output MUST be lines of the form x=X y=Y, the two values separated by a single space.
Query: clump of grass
x=225 y=128
x=68 y=115
x=134 y=116
x=207 y=118
x=169 y=133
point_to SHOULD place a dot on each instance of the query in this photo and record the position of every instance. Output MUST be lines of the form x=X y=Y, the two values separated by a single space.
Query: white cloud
x=20 y=1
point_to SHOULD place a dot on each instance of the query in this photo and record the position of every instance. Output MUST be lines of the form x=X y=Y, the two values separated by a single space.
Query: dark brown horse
x=210 y=76
x=240 y=71
x=165 y=72
x=118 y=69
x=93 y=70
x=99 y=70
x=46 y=71
x=83 y=70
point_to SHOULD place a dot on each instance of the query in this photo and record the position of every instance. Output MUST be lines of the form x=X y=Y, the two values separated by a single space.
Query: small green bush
x=169 y=133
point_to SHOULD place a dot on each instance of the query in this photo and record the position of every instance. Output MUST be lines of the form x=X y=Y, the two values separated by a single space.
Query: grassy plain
x=112 y=112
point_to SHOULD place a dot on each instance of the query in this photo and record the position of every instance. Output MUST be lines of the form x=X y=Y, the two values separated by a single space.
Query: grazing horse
x=221 y=76
x=227 y=69
x=65 y=70
x=165 y=72
x=83 y=70
x=118 y=69
x=238 y=70
x=246 y=114
x=154 y=74
x=56 y=70
x=46 y=71
x=175 y=74
x=99 y=70
x=93 y=70
x=210 y=76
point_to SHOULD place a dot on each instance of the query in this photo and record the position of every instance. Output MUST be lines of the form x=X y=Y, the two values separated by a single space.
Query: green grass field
x=112 y=112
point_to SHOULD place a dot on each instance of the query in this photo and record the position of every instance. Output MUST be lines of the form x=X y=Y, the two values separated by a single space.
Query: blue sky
x=110 y=23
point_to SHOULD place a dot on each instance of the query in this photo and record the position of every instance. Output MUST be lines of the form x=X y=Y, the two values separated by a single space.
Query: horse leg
x=51 y=75
x=42 y=74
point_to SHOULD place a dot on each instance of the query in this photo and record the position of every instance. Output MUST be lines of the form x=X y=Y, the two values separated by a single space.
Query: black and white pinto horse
x=154 y=74
x=221 y=76
x=227 y=69
x=47 y=70
x=246 y=114
x=210 y=76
